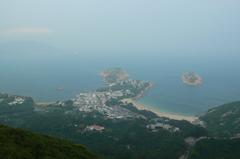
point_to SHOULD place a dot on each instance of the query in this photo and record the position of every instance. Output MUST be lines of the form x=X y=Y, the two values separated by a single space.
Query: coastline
x=160 y=113
x=44 y=103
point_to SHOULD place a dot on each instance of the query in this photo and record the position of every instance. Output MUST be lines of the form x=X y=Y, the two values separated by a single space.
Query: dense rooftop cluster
x=154 y=127
x=97 y=101
x=118 y=87
x=11 y=100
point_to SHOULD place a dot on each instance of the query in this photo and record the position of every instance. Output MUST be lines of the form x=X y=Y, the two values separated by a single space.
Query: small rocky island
x=192 y=79
x=114 y=75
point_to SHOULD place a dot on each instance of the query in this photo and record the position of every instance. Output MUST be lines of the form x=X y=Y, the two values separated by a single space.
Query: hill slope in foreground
x=216 y=149
x=223 y=121
x=18 y=143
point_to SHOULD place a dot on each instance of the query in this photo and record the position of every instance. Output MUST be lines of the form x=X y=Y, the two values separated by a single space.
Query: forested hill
x=223 y=126
x=19 y=144
x=224 y=120
x=216 y=149
x=122 y=131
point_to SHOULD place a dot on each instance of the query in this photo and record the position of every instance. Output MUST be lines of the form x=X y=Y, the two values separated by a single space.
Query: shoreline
x=44 y=103
x=151 y=84
x=160 y=113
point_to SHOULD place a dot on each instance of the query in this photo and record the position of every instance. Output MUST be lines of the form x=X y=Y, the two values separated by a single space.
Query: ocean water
x=39 y=76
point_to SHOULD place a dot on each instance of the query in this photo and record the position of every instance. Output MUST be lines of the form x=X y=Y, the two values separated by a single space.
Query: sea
x=53 y=76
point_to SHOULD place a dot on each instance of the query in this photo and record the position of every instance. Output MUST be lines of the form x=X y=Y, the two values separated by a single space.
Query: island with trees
x=192 y=79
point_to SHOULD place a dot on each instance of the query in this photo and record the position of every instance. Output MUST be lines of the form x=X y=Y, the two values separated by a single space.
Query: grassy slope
x=21 y=144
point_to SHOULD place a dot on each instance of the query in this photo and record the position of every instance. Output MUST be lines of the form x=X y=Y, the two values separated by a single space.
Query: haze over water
x=39 y=77
x=48 y=45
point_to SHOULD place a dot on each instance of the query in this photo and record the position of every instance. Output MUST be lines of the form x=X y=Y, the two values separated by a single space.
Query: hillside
x=102 y=121
x=137 y=134
x=216 y=149
x=130 y=133
x=116 y=129
x=19 y=144
x=224 y=120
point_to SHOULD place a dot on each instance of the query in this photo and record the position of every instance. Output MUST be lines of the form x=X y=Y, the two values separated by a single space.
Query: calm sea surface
x=40 y=76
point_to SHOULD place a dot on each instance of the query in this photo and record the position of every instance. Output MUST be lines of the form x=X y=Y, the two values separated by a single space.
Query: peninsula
x=129 y=91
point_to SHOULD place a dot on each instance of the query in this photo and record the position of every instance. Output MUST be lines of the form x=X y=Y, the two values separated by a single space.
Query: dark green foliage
x=128 y=139
x=216 y=149
x=7 y=109
x=20 y=144
x=189 y=129
x=223 y=121
x=146 y=113
x=113 y=101
x=131 y=140
x=121 y=139
x=127 y=85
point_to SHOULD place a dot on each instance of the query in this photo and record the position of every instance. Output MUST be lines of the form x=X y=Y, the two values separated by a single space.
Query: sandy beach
x=160 y=113
x=45 y=103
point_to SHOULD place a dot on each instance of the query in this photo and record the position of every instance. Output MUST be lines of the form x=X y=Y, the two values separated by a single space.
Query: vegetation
x=122 y=138
x=134 y=89
x=223 y=121
x=216 y=149
x=21 y=144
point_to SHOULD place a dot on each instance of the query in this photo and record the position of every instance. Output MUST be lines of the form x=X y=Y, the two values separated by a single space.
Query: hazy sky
x=202 y=26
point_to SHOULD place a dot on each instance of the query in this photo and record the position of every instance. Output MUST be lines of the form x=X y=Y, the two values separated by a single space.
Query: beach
x=160 y=113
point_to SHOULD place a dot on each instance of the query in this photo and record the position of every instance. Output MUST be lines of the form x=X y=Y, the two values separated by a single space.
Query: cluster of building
x=156 y=126
x=94 y=127
x=17 y=100
x=96 y=101
x=130 y=84
x=99 y=100
x=133 y=82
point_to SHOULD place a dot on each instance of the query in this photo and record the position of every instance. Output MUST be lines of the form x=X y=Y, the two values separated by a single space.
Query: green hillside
x=216 y=149
x=21 y=144
x=224 y=120
x=141 y=135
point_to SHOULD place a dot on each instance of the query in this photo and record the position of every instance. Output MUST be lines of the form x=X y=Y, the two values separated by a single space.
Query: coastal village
x=105 y=101
x=98 y=100
x=118 y=87
x=110 y=112
x=12 y=100
x=17 y=100
x=120 y=90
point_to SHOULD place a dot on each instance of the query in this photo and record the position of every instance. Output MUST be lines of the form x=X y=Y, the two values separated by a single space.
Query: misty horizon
x=126 y=27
